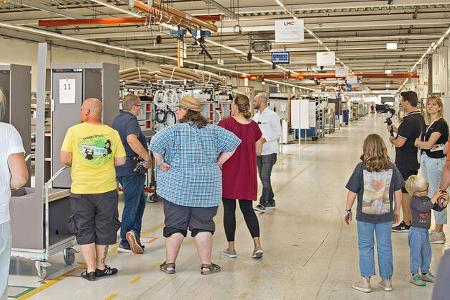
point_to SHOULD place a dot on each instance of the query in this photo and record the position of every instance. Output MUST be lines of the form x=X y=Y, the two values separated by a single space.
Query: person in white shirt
x=13 y=175
x=269 y=123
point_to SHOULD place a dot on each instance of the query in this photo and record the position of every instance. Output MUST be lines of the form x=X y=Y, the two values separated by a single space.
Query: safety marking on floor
x=52 y=282
x=18 y=290
x=135 y=279
x=46 y=285
x=110 y=297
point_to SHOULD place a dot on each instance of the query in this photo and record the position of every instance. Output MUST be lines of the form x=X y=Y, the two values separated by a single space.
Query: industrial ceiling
x=357 y=31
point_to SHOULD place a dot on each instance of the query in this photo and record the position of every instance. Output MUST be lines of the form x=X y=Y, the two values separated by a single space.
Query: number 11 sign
x=67 y=91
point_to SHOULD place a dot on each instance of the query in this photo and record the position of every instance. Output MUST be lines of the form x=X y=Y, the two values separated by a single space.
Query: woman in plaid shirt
x=189 y=156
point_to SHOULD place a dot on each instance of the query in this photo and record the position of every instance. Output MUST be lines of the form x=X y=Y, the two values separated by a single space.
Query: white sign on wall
x=287 y=31
x=304 y=114
x=352 y=79
x=67 y=91
x=325 y=59
x=341 y=72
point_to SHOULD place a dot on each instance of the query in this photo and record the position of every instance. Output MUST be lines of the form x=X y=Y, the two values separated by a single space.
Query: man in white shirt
x=269 y=123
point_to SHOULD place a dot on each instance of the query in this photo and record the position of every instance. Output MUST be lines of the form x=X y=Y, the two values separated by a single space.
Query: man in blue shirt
x=129 y=177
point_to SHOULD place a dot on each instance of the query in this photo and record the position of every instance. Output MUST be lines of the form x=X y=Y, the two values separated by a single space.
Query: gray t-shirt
x=375 y=193
x=421 y=211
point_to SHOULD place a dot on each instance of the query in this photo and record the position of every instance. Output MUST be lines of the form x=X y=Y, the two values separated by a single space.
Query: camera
x=139 y=168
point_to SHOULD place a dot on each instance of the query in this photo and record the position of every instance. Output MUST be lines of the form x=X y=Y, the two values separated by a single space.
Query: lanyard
x=429 y=126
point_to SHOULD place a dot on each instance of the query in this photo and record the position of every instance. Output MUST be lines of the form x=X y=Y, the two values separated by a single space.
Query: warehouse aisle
x=309 y=252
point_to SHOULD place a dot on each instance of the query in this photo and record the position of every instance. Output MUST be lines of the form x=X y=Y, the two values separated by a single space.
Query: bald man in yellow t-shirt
x=93 y=150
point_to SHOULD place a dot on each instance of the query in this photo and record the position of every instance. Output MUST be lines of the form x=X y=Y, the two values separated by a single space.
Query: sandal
x=168 y=268
x=211 y=268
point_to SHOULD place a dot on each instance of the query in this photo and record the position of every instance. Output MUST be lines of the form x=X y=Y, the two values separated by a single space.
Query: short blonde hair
x=416 y=183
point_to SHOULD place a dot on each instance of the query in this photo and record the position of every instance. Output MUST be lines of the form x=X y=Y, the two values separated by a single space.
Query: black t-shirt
x=412 y=126
x=437 y=126
x=375 y=193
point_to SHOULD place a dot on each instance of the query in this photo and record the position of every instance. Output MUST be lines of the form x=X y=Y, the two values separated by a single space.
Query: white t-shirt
x=11 y=144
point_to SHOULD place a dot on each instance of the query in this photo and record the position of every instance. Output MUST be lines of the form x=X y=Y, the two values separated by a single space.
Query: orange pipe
x=98 y=21
x=211 y=18
x=326 y=75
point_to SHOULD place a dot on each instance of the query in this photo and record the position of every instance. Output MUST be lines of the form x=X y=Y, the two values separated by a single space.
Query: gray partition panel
x=5 y=87
x=21 y=103
x=92 y=81
x=64 y=116
x=111 y=92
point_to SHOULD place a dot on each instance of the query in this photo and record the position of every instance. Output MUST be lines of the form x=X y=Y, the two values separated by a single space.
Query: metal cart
x=52 y=245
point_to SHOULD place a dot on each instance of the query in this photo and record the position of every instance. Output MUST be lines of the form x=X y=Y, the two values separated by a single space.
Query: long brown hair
x=243 y=104
x=194 y=117
x=375 y=157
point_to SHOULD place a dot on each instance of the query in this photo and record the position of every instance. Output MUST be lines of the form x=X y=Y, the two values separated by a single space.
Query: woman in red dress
x=239 y=175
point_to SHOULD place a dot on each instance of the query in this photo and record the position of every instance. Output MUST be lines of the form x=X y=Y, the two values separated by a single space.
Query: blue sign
x=280 y=57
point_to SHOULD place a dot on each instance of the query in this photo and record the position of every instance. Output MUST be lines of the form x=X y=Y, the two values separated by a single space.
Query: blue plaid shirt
x=194 y=179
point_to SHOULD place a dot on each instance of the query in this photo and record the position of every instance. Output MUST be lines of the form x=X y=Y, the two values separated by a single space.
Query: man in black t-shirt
x=405 y=151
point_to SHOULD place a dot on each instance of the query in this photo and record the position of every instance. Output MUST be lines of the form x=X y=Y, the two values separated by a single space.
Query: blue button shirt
x=126 y=124
x=194 y=178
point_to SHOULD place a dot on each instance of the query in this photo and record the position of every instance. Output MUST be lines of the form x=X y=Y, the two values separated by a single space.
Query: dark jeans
x=133 y=188
x=265 y=164
x=229 y=217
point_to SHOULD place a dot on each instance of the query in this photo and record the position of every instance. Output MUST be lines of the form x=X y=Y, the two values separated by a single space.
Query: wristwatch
x=348 y=210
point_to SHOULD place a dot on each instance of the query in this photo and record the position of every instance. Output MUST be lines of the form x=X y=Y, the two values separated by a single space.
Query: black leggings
x=229 y=217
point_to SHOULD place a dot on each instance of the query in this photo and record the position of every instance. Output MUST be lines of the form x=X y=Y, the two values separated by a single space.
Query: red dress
x=239 y=176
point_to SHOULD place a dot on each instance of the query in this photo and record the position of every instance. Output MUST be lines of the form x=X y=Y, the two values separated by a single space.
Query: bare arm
x=445 y=180
x=351 y=197
x=223 y=157
x=259 y=145
x=18 y=170
x=66 y=158
x=398 y=205
x=430 y=143
x=398 y=142
x=119 y=161
x=137 y=147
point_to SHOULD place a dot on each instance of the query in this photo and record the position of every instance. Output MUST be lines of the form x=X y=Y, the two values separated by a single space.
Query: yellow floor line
x=51 y=282
x=110 y=297
x=135 y=280
x=45 y=286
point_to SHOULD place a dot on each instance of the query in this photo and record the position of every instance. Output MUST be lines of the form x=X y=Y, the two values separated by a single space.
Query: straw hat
x=190 y=103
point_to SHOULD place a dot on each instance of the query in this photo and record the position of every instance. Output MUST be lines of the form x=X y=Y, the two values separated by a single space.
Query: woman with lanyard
x=432 y=143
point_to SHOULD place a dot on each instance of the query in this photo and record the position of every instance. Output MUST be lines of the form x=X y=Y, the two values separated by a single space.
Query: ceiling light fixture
x=433 y=47
x=168 y=26
x=310 y=32
x=387 y=71
x=391 y=46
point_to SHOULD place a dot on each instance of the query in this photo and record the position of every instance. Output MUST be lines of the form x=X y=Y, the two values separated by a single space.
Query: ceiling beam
x=227 y=12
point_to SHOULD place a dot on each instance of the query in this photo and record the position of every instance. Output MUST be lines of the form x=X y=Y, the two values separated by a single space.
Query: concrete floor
x=309 y=252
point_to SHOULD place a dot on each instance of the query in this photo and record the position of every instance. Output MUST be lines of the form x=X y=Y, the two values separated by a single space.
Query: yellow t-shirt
x=93 y=149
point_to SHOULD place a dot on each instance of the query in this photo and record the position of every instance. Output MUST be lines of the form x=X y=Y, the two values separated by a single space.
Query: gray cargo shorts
x=95 y=218
x=178 y=219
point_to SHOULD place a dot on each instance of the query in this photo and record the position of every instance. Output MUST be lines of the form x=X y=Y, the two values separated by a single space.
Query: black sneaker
x=402 y=227
x=108 y=271
x=260 y=208
x=270 y=205
x=89 y=276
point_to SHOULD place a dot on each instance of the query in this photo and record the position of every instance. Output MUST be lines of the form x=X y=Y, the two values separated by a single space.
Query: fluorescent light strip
x=309 y=31
x=168 y=26
x=116 y=8
x=433 y=47
x=289 y=84
x=94 y=43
